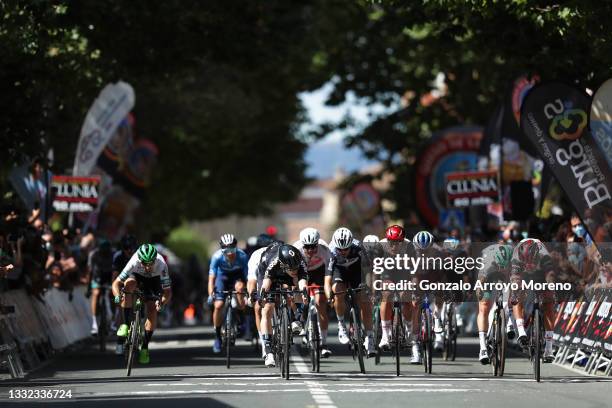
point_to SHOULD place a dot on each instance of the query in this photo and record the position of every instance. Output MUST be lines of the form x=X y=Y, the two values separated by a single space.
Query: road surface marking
x=319 y=395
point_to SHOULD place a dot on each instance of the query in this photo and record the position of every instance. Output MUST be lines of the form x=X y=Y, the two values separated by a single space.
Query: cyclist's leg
x=519 y=309
x=152 y=289
x=548 y=303
x=240 y=287
x=95 y=297
x=222 y=283
x=265 y=324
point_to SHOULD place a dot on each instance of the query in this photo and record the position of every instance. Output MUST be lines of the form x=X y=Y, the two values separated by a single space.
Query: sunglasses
x=311 y=246
x=229 y=250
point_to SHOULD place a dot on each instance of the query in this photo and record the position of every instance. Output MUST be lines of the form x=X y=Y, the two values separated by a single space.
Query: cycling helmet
x=422 y=240
x=147 y=253
x=128 y=242
x=263 y=240
x=227 y=240
x=528 y=251
x=309 y=236
x=343 y=238
x=289 y=256
x=395 y=233
x=503 y=256
x=104 y=245
x=370 y=238
x=451 y=244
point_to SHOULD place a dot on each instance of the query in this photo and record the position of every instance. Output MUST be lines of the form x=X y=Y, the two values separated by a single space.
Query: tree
x=393 y=51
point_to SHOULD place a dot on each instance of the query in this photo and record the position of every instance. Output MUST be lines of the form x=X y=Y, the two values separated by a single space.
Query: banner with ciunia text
x=108 y=110
x=75 y=194
x=554 y=118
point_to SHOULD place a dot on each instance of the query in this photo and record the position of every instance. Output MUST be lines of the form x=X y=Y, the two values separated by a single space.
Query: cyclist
x=344 y=271
x=496 y=261
x=531 y=260
x=280 y=265
x=100 y=268
x=228 y=271
x=317 y=256
x=148 y=271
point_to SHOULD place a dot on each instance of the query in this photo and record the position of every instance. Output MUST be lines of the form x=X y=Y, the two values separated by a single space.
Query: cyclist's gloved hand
x=117 y=299
x=210 y=300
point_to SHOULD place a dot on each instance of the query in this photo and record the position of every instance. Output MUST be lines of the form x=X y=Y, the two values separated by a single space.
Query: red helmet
x=529 y=252
x=395 y=233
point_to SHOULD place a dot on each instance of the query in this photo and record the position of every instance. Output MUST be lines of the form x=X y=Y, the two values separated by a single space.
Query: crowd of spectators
x=34 y=257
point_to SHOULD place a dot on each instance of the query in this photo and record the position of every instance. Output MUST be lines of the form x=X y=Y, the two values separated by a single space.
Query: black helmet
x=263 y=240
x=289 y=256
x=128 y=242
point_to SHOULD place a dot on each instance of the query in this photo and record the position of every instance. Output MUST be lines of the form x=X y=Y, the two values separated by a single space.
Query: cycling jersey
x=544 y=264
x=220 y=265
x=347 y=268
x=253 y=263
x=490 y=270
x=100 y=265
x=135 y=268
x=319 y=258
x=270 y=267
x=120 y=259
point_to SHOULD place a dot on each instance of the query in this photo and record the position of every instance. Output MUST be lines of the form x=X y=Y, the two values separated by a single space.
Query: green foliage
x=392 y=50
x=184 y=242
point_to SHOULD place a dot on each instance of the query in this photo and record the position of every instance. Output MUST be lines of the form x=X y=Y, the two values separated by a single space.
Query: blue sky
x=328 y=154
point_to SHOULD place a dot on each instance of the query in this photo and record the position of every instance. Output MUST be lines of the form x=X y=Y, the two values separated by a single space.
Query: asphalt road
x=185 y=373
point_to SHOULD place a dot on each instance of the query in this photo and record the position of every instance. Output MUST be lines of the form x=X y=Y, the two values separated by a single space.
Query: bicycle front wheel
x=134 y=338
x=227 y=336
x=502 y=345
x=357 y=338
x=397 y=337
x=314 y=341
x=426 y=340
x=377 y=334
x=285 y=342
x=536 y=344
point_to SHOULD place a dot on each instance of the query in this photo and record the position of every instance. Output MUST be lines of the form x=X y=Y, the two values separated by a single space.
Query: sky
x=326 y=155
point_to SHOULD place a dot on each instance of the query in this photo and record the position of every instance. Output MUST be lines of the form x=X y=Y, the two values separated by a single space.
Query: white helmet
x=309 y=236
x=422 y=240
x=343 y=238
x=370 y=238
x=227 y=240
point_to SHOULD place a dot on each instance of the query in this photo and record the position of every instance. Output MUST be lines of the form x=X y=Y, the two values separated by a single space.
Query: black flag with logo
x=554 y=118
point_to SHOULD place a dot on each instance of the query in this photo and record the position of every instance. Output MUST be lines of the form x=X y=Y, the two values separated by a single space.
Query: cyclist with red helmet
x=531 y=261
x=395 y=242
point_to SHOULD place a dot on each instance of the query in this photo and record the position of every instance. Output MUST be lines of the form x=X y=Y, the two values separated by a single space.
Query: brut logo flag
x=601 y=119
x=554 y=118
x=107 y=111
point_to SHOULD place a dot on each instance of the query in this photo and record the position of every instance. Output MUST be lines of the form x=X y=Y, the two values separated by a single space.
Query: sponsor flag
x=105 y=114
x=600 y=120
x=554 y=118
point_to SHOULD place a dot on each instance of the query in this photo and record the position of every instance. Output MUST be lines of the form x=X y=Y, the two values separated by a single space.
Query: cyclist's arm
x=212 y=273
x=125 y=273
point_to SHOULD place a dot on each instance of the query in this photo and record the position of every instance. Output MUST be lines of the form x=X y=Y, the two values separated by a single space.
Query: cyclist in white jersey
x=148 y=271
x=317 y=256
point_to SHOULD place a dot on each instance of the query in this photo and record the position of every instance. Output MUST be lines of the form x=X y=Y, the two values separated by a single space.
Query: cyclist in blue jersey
x=228 y=271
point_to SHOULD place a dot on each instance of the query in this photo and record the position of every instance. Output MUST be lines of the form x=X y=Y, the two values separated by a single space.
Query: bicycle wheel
x=357 y=338
x=503 y=343
x=134 y=337
x=102 y=326
x=426 y=340
x=377 y=334
x=314 y=340
x=536 y=340
x=453 y=331
x=497 y=333
x=397 y=338
x=285 y=342
x=227 y=335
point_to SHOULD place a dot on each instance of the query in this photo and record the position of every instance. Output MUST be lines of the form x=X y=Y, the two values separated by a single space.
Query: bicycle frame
x=356 y=334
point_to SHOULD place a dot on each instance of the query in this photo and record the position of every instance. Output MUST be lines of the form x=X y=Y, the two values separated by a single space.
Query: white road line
x=313 y=390
x=319 y=395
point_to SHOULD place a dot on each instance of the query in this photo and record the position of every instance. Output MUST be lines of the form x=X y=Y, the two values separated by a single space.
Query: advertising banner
x=554 y=117
x=360 y=208
x=101 y=122
x=75 y=194
x=450 y=150
x=469 y=188
x=600 y=120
